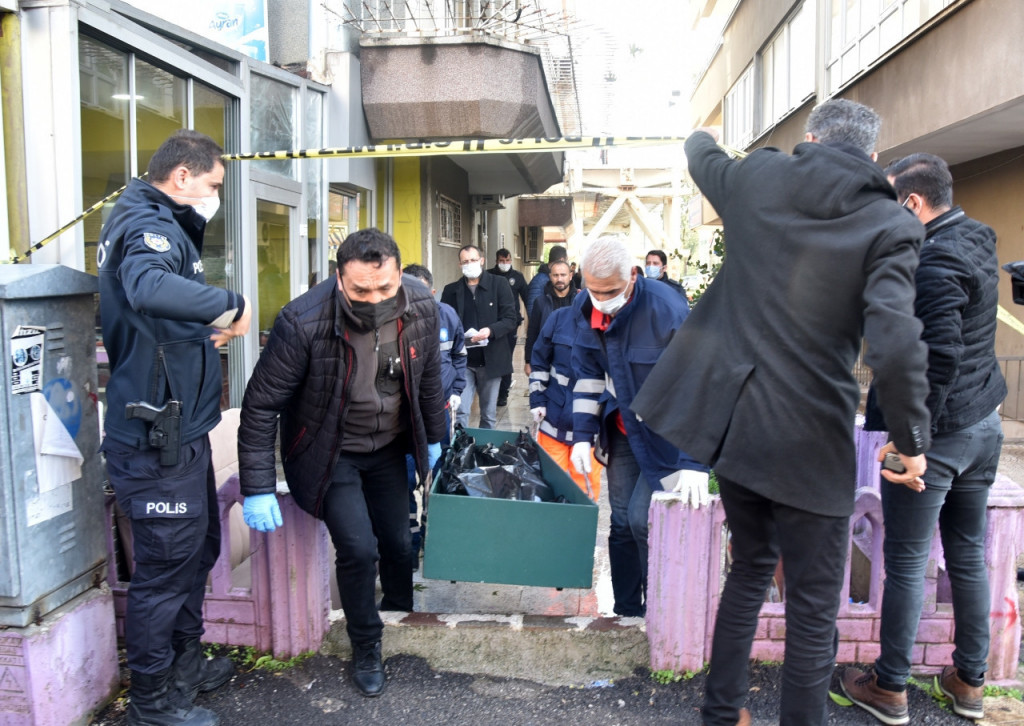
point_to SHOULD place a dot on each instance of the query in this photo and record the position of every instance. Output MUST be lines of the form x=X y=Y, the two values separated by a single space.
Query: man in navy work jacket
x=623 y=324
x=759 y=385
x=352 y=372
x=161 y=326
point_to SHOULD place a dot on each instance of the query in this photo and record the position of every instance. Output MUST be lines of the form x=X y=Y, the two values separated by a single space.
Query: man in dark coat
x=758 y=383
x=161 y=326
x=488 y=314
x=541 y=279
x=352 y=370
x=656 y=268
x=957 y=299
x=503 y=268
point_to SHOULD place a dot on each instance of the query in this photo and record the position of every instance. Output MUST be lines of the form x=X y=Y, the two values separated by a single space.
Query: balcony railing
x=507 y=20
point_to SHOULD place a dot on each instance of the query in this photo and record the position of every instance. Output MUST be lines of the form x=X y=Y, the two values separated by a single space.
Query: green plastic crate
x=541 y=544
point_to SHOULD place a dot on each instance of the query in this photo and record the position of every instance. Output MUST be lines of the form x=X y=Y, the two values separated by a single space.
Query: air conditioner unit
x=487 y=202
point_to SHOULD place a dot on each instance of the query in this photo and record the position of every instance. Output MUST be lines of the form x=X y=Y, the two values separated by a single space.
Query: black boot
x=367 y=669
x=194 y=673
x=155 y=701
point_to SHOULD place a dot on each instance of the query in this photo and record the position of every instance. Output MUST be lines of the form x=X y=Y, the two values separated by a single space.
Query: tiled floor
x=442 y=596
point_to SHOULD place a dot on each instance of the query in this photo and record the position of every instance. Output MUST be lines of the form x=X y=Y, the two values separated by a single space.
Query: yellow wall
x=408 y=231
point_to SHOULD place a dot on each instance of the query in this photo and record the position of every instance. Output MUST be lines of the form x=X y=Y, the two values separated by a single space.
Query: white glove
x=538 y=413
x=580 y=457
x=693 y=485
x=454 y=401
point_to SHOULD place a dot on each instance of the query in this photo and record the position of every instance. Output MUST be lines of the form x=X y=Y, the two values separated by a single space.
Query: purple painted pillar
x=290 y=580
x=1003 y=541
x=59 y=671
x=678 y=583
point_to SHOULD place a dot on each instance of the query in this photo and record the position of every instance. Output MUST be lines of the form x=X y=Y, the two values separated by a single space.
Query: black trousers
x=813 y=549
x=506 y=380
x=366 y=510
x=176 y=540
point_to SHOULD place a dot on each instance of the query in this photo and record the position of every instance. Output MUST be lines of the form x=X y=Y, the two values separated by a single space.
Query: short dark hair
x=924 y=174
x=660 y=254
x=559 y=262
x=470 y=247
x=502 y=253
x=420 y=272
x=368 y=245
x=557 y=253
x=195 y=151
x=840 y=120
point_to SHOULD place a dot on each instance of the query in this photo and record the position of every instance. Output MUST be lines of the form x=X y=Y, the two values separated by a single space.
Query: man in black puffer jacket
x=957 y=299
x=353 y=370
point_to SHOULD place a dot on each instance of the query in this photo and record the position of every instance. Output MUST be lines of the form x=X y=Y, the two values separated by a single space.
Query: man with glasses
x=485 y=306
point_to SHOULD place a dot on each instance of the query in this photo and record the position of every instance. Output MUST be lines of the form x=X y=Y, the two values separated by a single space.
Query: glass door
x=281 y=263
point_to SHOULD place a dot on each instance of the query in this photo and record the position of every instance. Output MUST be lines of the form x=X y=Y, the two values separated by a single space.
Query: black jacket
x=541 y=310
x=156 y=310
x=303 y=376
x=495 y=310
x=758 y=382
x=518 y=284
x=957 y=299
x=677 y=286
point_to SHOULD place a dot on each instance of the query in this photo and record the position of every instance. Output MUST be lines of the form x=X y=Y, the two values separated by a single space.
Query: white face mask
x=612 y=306
x=504 y=266
x=472 y=270
x=208 y=207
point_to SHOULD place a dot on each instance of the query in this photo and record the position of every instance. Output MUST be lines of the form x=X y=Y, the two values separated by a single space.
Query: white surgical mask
x=208 y=207
x=472 y=270
x=612 y=306
x=653 y=271
x=504 y=266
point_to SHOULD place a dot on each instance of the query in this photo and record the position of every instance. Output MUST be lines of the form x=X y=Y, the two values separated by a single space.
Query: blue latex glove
x=433 y=454
x=262 y=513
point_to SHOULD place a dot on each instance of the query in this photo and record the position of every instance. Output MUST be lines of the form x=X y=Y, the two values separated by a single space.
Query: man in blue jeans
x=957 y=301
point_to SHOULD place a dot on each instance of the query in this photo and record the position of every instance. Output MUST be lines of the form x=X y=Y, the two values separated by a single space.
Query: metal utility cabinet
x=52 y=540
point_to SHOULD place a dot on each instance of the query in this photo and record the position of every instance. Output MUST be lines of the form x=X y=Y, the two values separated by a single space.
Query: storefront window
x=105 y=104
x=117 y=89
x=212 y=116
x=272 y=115
x=159 y=109
x=312 y=175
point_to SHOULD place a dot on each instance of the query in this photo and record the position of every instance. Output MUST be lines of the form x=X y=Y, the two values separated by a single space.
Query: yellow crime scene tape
x=415 y=148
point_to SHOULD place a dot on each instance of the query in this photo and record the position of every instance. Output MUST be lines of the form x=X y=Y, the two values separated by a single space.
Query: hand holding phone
x=893 y=463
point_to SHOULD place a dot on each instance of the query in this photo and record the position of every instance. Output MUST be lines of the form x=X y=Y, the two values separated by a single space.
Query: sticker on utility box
x=27 y=358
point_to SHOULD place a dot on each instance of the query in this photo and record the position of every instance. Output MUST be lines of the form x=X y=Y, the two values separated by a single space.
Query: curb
x=553 y=650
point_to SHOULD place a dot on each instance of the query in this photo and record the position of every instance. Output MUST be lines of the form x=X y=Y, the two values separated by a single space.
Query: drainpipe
x=12 y=100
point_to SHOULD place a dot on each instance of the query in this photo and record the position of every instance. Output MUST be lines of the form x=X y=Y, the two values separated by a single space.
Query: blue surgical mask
x=653 y=271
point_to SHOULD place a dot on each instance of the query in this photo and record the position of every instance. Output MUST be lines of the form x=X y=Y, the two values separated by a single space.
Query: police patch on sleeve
x=156 y=242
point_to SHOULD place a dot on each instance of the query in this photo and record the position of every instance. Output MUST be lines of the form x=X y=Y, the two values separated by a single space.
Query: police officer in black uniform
x=161 y=326
x=503 y=268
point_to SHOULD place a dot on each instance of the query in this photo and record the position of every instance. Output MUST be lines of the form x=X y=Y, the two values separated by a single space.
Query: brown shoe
x=889 y=707
x=967 y=700
x=744 y=718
